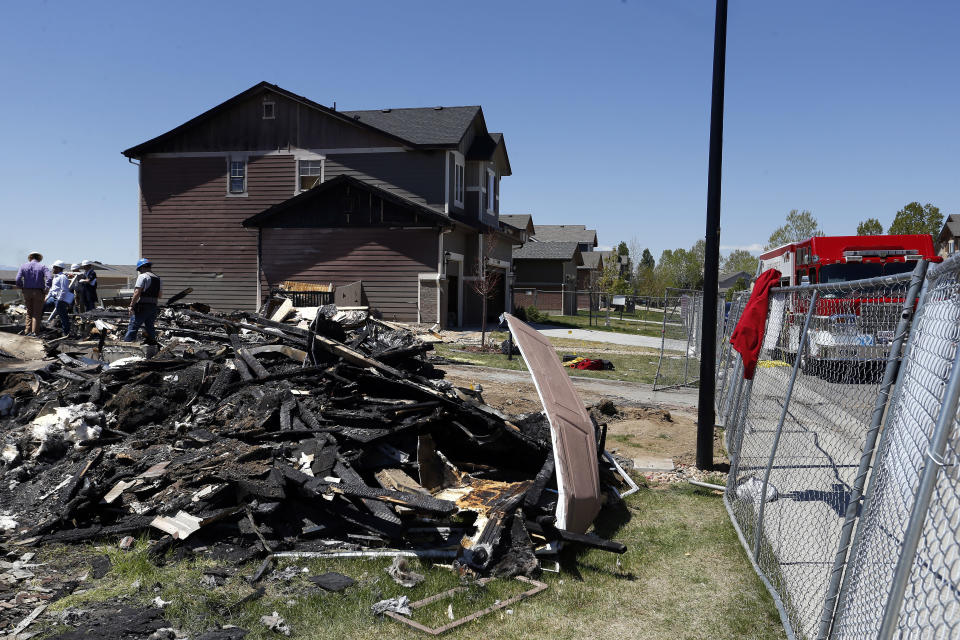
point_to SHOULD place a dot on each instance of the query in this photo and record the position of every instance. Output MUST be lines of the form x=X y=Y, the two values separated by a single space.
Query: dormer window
x=311 y=174
x=269 y=110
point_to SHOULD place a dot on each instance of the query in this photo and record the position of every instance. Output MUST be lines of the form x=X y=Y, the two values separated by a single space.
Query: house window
x=491 y=189
x=311 y=174
x=238 y=176
x=458 y=179
x=269 y=110
x=951 y=246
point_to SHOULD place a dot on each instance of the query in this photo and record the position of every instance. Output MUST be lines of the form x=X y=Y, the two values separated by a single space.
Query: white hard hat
x=86 y=263
x=74 y=266
x=59 y=263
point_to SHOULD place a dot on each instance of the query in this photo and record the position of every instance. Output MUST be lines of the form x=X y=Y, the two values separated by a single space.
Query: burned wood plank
x=377 y=508
x=585 y=539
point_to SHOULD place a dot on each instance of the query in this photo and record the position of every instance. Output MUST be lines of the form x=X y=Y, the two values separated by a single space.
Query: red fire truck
x=847 y=330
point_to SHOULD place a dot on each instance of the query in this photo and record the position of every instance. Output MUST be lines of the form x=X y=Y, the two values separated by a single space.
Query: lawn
x=684 y=576
x=633 y=364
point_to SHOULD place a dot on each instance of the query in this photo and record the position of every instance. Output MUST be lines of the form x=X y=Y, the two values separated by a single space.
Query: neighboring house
x=948 y=242
x=728 y=281
x=523 y=223
x=546 y=275
x=270 y=186
x=586 y=239
x=589 y=273
x=612 y=257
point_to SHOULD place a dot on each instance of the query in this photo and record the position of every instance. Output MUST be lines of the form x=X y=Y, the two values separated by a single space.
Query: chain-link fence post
x=891 y=370
x=928 y=479
x=783 y=417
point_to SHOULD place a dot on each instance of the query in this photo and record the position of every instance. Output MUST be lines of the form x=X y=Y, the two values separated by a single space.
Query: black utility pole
x=711 y=264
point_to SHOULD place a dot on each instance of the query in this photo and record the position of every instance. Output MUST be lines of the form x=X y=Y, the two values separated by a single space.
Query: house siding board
x=387 y=261
x=242 y=128
x=416 y=175
x=192 y=231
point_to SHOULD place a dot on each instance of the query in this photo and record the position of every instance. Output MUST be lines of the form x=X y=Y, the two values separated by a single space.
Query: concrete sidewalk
x=610 y=337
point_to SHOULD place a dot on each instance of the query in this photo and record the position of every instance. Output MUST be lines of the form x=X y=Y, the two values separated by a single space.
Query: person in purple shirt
x=33 y=279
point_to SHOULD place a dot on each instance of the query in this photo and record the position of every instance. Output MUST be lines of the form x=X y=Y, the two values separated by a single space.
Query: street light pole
x=711 y=264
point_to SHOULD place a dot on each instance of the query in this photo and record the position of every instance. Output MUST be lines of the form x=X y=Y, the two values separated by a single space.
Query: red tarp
x=747 y=337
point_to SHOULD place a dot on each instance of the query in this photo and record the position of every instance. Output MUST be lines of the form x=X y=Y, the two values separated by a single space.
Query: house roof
x=565 y=233
x=428 y=126
x=591 y=259
x=549 y=251
x=728 y=281
x=951 y=227
x=522 y=221
x=261 y=219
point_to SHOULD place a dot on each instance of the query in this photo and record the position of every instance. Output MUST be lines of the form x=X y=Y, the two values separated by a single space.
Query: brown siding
x=387 y=261
x=417 y=175
x=243 y=128
x=192 y=231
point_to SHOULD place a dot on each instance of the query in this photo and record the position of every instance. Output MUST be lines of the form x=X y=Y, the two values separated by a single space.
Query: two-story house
x=270 y=186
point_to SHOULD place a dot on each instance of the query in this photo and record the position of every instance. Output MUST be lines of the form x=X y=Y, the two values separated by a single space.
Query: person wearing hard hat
x=88 y=285
x=74 y=275
x=61 y=295
x=143 y=305
x=33 y=279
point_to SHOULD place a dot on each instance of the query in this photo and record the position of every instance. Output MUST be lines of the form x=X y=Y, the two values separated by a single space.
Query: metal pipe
x=783 y=416
x=869 y=446
x=705 y=409
x=707 y=485
x=371 y=553
x=918 y=515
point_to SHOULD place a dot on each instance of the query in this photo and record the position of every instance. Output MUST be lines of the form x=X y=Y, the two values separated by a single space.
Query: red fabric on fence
x=747 y=337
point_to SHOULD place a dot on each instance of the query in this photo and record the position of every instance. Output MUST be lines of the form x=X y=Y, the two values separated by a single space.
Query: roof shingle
x=421 y=125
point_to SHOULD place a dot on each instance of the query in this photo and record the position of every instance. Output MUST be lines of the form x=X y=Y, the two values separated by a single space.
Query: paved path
x=629 y=391
x=610 y=337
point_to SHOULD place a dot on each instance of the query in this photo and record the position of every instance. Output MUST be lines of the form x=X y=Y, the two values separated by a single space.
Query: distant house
x=588 y=274
x=948 y=242
x=523 y=223
x=586 y=239
x=546 y=275
x=270 y=186
x=728 y=281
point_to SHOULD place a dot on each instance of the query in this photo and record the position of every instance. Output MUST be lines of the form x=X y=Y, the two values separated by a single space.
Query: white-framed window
x=491 y=189
x=238 y=176
x=459 y=177
x=269 y=110
x=309 y=174
x=951 y=246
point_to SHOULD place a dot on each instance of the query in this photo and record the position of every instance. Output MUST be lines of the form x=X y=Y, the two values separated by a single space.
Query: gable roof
x=728 y=281
x=261 y=219
x=419 y=127
x=522 y=221
x=592 y=260
x=429 y=126
x=565 y=233
x=951 y=227
x=549 y=251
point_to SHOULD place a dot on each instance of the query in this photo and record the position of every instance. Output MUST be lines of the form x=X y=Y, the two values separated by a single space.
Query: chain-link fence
x=681 y=339
x=801 y=437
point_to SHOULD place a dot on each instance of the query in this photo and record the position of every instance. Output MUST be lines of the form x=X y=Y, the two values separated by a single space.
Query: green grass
x=684 y=576
x=632 y=367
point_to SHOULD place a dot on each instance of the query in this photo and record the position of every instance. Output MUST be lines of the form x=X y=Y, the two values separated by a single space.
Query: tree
x=739 y=260
x=646 y=260
x=622 y=249
x=870 y=227
x=800 y=226
x=485 y=282
x=917 y=218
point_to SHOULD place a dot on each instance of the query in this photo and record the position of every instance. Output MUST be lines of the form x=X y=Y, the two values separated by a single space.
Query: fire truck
x=848 y=331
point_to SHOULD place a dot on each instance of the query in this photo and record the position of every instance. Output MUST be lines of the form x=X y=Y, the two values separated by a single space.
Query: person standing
x=88 y=285
x=75 y=286
x=143 y=305
x=61 y=295
x=33 y=279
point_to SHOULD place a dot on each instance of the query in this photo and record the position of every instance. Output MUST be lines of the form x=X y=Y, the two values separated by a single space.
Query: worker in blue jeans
x=143 y=306
x=61 y=296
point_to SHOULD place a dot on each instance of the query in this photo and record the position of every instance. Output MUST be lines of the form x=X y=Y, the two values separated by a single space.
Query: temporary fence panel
x=797 y=431
x=903 y=574
x=680 y=340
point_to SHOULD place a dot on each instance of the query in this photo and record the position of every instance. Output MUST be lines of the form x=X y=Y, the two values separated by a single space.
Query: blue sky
x=849 y=109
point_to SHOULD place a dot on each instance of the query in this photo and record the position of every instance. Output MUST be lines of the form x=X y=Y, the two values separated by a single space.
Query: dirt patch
x=653 y=433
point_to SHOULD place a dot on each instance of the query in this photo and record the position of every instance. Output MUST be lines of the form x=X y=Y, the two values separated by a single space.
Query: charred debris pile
x=244 y=437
